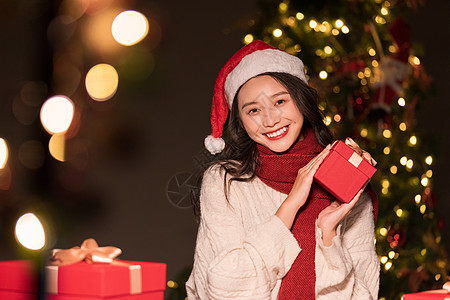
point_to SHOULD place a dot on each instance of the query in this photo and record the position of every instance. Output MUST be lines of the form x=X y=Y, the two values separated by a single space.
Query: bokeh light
x=3 y=153
x=30 y=232
x=101 y=82
x=129 y=27
x=56 y=147
x=57 y=114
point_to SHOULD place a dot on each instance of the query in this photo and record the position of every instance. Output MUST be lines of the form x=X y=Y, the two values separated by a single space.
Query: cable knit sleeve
x=349 y=268
x=231 y=262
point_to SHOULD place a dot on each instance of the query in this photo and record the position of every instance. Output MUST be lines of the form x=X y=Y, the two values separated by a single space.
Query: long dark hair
x=239 y=159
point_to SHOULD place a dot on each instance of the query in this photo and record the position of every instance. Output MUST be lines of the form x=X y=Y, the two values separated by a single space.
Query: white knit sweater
x=243 y=250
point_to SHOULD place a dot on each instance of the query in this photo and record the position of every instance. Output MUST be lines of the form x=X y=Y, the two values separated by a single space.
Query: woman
x=266 y=230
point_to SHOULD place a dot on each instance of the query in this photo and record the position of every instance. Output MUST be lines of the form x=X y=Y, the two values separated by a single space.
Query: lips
x=277 y=134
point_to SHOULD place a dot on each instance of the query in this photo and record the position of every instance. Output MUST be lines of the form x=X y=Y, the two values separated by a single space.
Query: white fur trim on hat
x=214 y=145
x=262 y=61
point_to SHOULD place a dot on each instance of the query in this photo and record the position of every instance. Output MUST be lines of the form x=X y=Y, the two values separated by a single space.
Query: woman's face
x=269 y=114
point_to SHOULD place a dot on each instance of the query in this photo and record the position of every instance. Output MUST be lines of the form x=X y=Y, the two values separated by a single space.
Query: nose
x=271 y=117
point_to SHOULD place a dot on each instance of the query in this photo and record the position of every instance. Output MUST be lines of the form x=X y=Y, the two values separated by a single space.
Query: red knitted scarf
x=279 y=171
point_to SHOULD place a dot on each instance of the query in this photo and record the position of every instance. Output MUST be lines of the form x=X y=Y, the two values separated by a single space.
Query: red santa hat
x=251 y=60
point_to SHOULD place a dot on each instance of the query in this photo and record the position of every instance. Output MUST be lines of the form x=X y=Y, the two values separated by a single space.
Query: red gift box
x=428 y=295
x=119 y=280
x=343 y=172
x=18 y=280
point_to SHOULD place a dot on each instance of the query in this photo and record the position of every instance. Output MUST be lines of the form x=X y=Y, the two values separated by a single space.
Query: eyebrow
x=273 y=96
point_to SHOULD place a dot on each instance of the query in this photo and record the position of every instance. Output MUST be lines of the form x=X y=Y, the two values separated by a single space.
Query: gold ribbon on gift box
x=90 y=252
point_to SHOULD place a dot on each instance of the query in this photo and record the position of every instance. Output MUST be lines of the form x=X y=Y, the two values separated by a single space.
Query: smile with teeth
x=277 y=133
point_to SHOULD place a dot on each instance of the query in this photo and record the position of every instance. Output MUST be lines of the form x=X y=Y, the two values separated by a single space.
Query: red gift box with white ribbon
x=343 y=172
x=88 y=272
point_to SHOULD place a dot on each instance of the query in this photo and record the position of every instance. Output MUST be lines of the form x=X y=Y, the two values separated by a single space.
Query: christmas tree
x=359 y=57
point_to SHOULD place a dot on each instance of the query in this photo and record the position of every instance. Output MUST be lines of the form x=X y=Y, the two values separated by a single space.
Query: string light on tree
x=101 y=82
x=29 y=232
x=3 y=153
x=57 y=114
x=129 y=27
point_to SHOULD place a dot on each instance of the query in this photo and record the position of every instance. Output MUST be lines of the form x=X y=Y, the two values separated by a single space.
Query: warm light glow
x=283 y=7
x=30 y=232
x=403 y=160
x=424 y=181
x=327 y=120
x=328 y=49
x=388 y=265
x=101 y=82
x=334 y=31
x=384 y=11
x=423 y=208
x=380 y=20
x=423 y=252
x=56 y=146
x=385 y=183
x=345 y=29
x=364 y=132
x=401 y=101
x=402 y=126
x=414 y=60
x=437 y=277
x=391 y=254
x=417 y=198
x=360 y=75
x=399 y=212
x=300 y=16
x=312 y=24
x=383 y=259
x=392 y=49
x=323 y=74
x=277 y=32
x=3 y=153
x=429 y=160
x=429 y=173
x=409 y=164
x=248 y=38
x=372 y=52
x=387 y=133
x=57 y=114
x=393 y=169
x=339 y=23
x=129 y=27
x=383 y=231
x=413 y=140
x=172 y=284
x=337 y=118
x=375 y=63
x=386 y=150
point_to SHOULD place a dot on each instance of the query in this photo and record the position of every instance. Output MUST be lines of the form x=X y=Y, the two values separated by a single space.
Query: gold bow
x=89 y=252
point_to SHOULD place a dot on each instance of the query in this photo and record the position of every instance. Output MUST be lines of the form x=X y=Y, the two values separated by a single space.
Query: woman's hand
x=331 y=216
x=300 y=190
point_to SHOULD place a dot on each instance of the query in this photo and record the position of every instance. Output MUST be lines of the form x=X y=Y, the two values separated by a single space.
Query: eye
x=252 y=111
x=280 y=101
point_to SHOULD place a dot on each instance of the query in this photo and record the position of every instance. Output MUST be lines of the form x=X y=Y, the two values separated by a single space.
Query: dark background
x=150 y=137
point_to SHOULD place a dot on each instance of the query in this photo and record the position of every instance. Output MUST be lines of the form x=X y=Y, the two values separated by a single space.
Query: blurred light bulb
x=277 y=32
x=339 y=23
x=401 y=101
x=323 y=75
x=300 y=16
x=3 y=153
x=57 y=114
x=129 y=27
x=248 y=38
x=429 y=160
x=30 y=232
x=345 y=29
x=101 y=82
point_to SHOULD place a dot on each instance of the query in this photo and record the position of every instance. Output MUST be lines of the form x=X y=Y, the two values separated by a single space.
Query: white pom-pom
x=214 y=145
